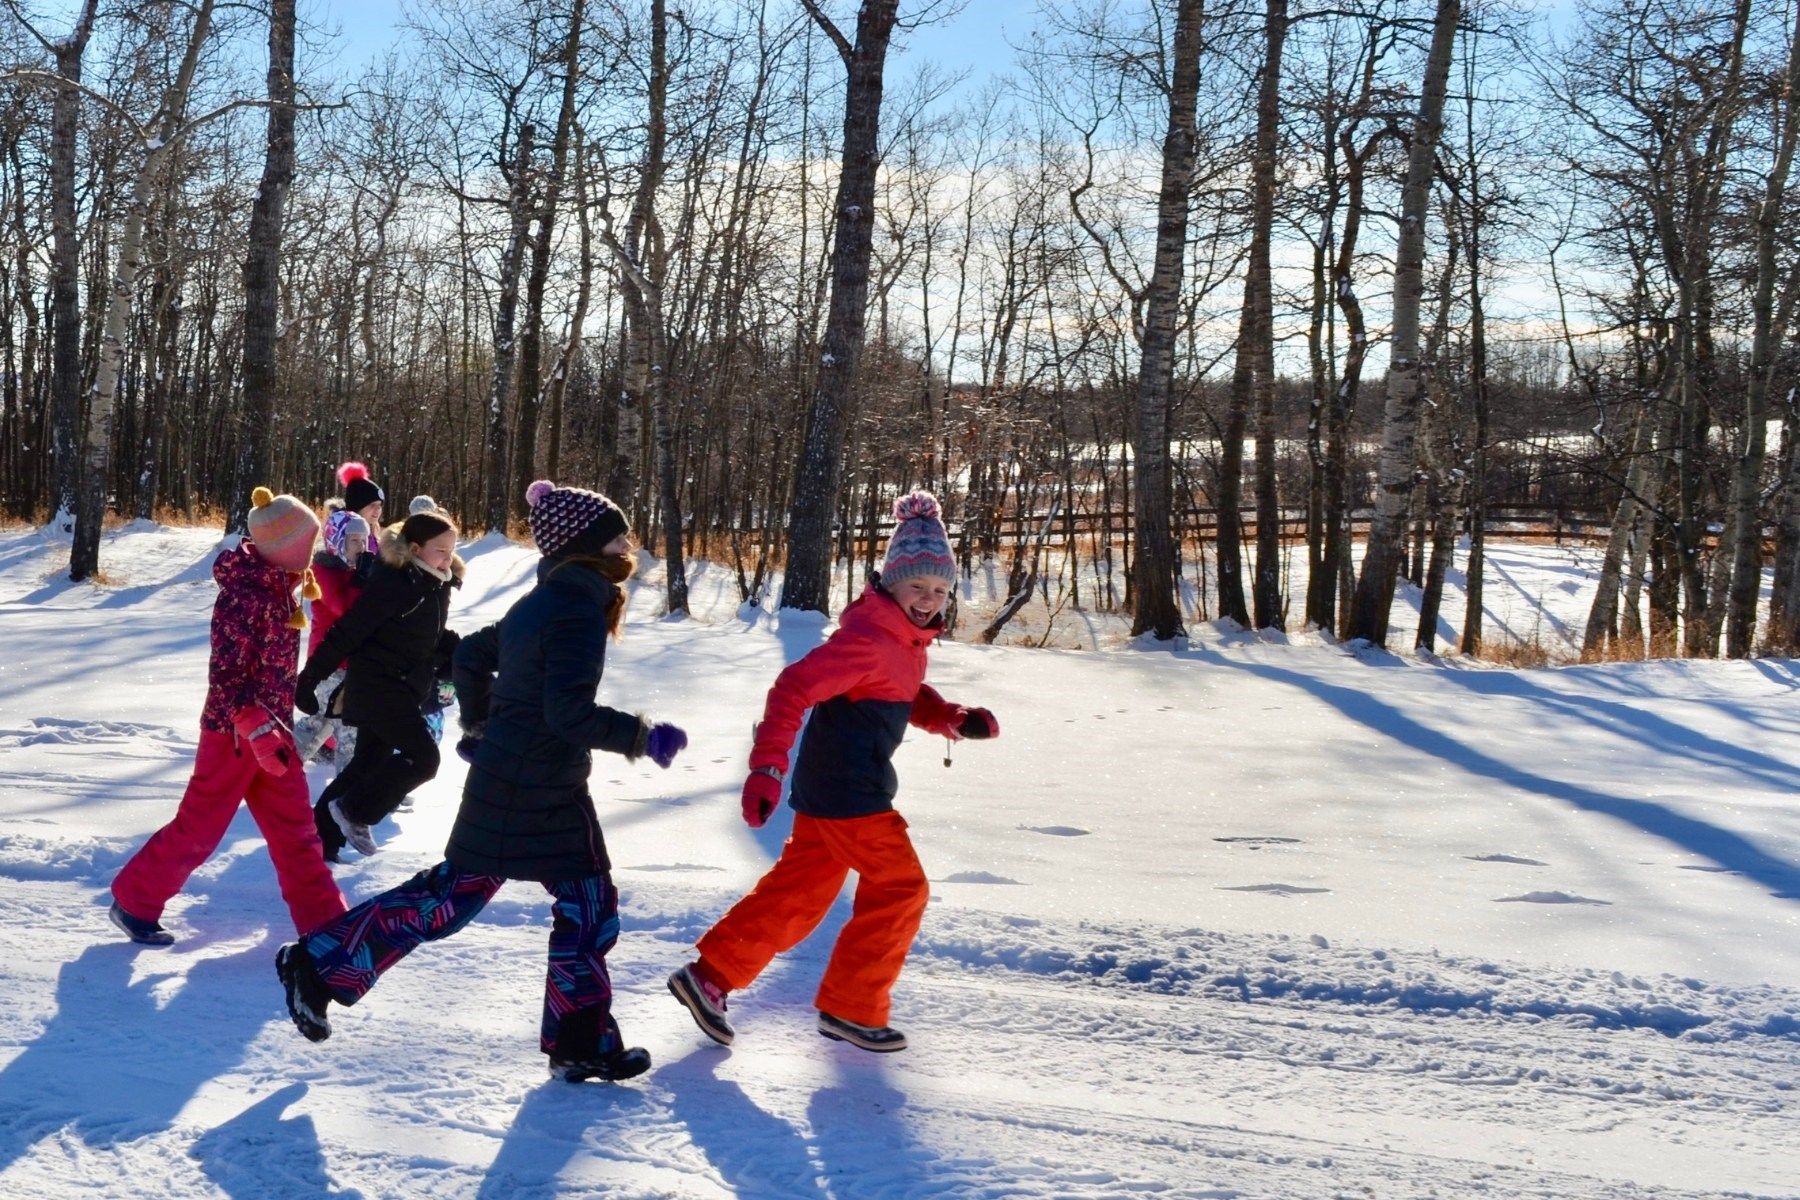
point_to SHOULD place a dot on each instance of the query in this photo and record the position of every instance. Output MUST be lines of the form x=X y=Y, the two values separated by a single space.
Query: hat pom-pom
x=261 y=497
x=537 y=491
x=920 y=505
x=351 y=470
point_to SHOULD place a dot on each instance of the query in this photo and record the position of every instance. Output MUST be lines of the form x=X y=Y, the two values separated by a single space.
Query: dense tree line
x=751 y=269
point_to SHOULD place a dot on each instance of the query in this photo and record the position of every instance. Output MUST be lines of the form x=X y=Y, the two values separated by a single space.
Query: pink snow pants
x=224 y=776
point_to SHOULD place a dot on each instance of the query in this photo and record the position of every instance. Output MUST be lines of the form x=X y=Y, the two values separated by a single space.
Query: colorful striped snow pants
x=352 y=952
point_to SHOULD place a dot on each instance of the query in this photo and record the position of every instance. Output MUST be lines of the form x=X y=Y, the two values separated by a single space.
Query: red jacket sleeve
x=830 y=670
x=934 y=714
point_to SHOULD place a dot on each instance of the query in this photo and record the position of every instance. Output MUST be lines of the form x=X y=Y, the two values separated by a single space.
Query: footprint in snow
x=1711 y=870
x=1276 y=889
x=1257 y=843
x=1549 y=898
x=977 y=877
x=1506 y=858
x=1056 y=830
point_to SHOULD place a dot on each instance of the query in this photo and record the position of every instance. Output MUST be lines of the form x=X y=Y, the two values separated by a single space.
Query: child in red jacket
x=246 y=753
x=864 y=686
x=340 y=568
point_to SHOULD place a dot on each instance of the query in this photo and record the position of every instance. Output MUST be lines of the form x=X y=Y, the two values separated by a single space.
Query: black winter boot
x=608 y=1068
x=882 y=1039
x=306 y=992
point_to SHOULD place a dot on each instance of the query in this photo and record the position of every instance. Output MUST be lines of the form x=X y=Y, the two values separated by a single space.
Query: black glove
x=470 y=741
x=305 y=695
x=979 y=723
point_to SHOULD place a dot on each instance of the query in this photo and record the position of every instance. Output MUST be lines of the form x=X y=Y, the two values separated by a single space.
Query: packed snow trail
x=1251 y=919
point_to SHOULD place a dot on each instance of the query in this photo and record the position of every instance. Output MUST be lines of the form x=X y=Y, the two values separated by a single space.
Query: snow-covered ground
x=1259 y=918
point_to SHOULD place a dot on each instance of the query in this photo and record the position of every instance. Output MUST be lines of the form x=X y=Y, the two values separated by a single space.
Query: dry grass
x=1521 y=655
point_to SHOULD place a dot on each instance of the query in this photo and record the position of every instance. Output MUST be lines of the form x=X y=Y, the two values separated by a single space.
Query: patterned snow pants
x=352 y=952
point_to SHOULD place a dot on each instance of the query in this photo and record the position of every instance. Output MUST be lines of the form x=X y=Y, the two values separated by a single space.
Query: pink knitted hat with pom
x=568 y=520
x=920 y=545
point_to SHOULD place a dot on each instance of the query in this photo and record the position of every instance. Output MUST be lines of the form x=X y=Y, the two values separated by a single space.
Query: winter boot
x=705 y=1002
x=331 y=838
x=608 y=1068
x=882 y=1039
x=306 y=994
x=357 y=834
x=144 y=933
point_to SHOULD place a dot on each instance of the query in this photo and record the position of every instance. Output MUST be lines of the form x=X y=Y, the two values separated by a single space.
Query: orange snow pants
x=225 y=775
x=789 y=902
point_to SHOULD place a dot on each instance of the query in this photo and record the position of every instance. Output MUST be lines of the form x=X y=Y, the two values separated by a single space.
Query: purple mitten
x=664 y=743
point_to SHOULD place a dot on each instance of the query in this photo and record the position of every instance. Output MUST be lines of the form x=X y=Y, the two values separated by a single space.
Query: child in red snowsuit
x=247 y=754
x=340 y=568
x=864 y=686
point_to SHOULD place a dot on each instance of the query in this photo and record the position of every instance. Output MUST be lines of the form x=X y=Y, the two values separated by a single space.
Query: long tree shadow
x=549 y=1130
x=1627 y=720
x=261 y=1155
x=1724 y=847
x=759 y=1156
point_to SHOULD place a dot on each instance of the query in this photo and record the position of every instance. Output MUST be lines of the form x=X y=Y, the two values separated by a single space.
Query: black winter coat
x=526 y=812
x=393 y=636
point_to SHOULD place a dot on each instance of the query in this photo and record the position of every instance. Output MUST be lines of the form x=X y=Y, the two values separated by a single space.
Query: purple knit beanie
x=568 y=520
x=919 y=546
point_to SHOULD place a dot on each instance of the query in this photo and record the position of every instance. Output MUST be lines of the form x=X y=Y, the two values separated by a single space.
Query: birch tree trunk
x=1153 y=569
x=531 y=338
x=816 y=476
x=1746 y=552
x=262 y=269
x=506 y=309
x=1398 y=471
x=90 y=507
x=1266 y=587
x=65 y=274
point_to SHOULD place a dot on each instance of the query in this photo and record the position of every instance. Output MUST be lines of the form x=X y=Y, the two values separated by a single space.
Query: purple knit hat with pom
x=568 y=521
x=920 y=545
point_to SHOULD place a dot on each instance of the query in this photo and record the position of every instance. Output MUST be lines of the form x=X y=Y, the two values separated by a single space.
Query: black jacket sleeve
x=377 y=603
x=472 y=670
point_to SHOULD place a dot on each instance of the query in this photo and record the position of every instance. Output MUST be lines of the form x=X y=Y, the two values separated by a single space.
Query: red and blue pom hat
x=569 y=521
x=920 y=545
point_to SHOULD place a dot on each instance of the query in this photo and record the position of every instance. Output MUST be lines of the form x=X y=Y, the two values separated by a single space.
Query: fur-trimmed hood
x=395 y=553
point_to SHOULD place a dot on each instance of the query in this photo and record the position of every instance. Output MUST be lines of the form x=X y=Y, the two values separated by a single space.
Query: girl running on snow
x=863 y=686
x=526 y=812
x=391 y=637
x=247 y=755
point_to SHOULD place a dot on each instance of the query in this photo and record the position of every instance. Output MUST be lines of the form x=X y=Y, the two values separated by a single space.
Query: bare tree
x=1399 y=456
x=262 y=278
x=65 y=263
x=1769 y=327
x=1153 y=571
x=816 y=476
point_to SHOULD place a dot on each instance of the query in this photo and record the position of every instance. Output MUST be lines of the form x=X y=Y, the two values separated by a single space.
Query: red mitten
x=272 y=745
x=762 y=794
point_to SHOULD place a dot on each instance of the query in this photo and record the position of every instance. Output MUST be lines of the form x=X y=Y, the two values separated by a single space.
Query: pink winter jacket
x=255 y=650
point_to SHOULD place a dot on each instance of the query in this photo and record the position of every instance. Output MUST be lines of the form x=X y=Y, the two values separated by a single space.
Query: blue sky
x=975 y=40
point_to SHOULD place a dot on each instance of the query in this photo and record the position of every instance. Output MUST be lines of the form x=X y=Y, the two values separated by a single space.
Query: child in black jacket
x=392 y=636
